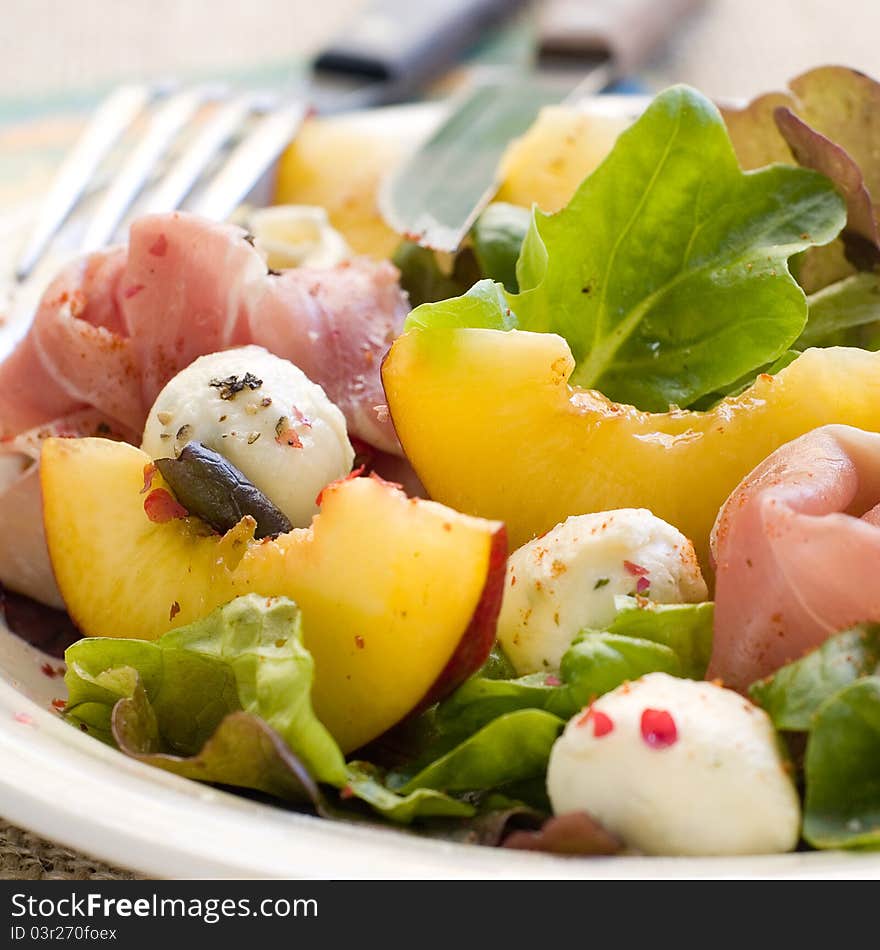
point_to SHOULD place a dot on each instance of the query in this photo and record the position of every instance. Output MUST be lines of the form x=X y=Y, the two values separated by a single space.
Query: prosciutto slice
x=797 y=553
x=114 y=328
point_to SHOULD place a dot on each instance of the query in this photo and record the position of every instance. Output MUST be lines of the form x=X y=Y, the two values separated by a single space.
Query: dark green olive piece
x=213 y=489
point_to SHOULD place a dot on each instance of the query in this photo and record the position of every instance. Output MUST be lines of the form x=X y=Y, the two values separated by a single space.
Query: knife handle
x=410 y=41
x=627 y=32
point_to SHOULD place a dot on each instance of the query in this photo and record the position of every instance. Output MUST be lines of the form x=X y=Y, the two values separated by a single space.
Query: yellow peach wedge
x=399 y=596
x=492 y=427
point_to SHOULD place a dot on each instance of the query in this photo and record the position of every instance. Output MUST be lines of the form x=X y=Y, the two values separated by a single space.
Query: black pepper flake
x=601 y=582
x=249 y=238
x=233 y=385
x=103 y=429
x=273 y=273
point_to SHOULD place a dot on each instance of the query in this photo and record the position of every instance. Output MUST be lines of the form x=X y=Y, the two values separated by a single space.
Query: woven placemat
x=27 y=857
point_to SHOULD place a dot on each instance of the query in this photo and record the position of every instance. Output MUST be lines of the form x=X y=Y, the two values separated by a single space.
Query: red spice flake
x=301 y=418
x=346 y=792
x=359 y=642
x=149 y=474
x=658 y=728
x=51 y=671
x=635 y=569
x=161 y=506
x=285 y=434
x=643 y=584
x=602 y=723
x=24 y=719
x=59 y=704
x=78 y=301
x=447 y=526
x=175 y=610
x=354 y=473
x=132 y=291
x=552 y=680
x=159 y=246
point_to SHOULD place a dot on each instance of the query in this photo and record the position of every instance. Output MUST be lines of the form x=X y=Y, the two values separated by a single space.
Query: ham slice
x=797 y=553
x=114 y=328
x=76 y=354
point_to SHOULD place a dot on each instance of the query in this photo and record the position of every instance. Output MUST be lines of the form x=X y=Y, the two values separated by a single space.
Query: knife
x=435 y=196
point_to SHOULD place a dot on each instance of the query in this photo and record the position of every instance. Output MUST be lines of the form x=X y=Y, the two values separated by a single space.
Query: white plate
x=70 y=788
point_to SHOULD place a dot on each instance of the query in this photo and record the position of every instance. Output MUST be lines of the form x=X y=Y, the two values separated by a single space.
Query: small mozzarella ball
x=568 y=579
x=265 y=416
x=676 y=767
x=298 y=236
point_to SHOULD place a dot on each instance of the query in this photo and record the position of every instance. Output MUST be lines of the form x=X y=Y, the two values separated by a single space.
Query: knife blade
x=435 y=196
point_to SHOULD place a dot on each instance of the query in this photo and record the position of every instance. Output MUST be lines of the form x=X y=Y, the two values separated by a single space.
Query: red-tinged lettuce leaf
x=814 y=150
x=829 y=120
x=574 y=833
x=243 y=752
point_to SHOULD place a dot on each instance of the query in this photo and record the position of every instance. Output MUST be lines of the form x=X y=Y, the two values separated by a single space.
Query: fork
x=386 y=53
x=273 y=125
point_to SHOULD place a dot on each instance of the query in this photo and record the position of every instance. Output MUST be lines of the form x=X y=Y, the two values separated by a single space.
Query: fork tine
x=164 y=128
x=114 y=115
x=182 y=176
x=249 y=160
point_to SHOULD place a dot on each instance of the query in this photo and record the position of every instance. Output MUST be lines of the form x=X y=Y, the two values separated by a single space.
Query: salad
x=566 y=543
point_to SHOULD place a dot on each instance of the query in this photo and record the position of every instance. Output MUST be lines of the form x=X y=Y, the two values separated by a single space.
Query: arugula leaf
x=667 y=272
x=792 y=694
x=511 y=748
x=846 y=313
x=842 y=804
x=247 y=655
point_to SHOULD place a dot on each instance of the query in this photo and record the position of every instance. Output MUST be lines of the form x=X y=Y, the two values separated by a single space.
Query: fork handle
x=408 y=42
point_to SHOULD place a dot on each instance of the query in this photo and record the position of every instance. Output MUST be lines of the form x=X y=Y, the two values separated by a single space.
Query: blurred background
x=58 y=47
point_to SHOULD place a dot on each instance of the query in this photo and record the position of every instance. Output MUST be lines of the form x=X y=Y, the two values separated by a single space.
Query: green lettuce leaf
x=792 y=694
x=643 y=638
x=242 y=751
x=484 y=307
x=842 y=804
x=424 y=280
x=247 y=655
x=685 y=628
x=847 y=313
x=368 y=783
x=227 y=699
x=667 y=272
x=511 y=748
x=498 y=236
x=828 y=120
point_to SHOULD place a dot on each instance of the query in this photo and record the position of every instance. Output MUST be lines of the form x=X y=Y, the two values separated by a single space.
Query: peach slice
x=399 y=596
x=492 y=427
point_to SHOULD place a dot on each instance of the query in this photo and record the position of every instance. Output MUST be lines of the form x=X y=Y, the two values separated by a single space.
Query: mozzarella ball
x=265 y=416
x=567 y=580
x=676 y=767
